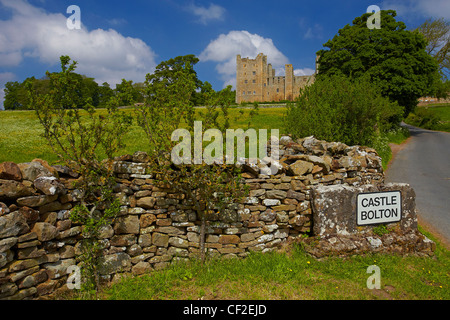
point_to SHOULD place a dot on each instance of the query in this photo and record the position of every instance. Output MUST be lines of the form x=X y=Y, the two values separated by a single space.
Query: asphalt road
x=424 y=162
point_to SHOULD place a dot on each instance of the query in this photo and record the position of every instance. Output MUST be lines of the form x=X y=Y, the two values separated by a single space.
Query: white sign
x=378 y=207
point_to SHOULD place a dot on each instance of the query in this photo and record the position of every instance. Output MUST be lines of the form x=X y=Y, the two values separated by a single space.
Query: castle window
x=278 y=90
x=245 y=81
x=243 y=93
x=264 y=84
x=254 y=73
x=254 y=81
x=254 y=92
x=249 y=92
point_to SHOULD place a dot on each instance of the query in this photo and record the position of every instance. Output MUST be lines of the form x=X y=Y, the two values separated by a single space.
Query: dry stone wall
x=155 y=226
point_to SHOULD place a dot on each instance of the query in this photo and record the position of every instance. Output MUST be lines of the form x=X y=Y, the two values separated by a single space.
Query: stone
x=271 y=202
x=141 y=268
x=141 y=157
x=276 y=194
x=177 y=252
x=296 y=195
x=36 y=201
x=45 y=231
x=348 y=161
x=10 y=189
x=4 y=209
x=257 y=192
x=113 y=263
x=7 y=289
x=65 y=171
x=30 y=252
x=268 y=215
x=21 y=274
x=160 y=239
x=172 y=231
x=32 y=170
x=227 y=239
x=12 y=224
x=145 y=240
x=106 y=231
x=49 y=185
x=6 y=244
x=178 y=242
x=30 y=214
x=20 y=265
x=127 y=224
x=62 y=225
x=46 y=287
x=69 y=232
x=10 y=171
x=134 y=250
x=67 y=252
x=6 y=257
x=146 y=202
x=282 y=217
x=27 y=237
x=300 y=167
x=246 y=237
x=123 y=240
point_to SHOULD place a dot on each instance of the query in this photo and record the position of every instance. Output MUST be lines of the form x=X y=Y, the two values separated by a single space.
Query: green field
x=432 y=117
x=21 y=134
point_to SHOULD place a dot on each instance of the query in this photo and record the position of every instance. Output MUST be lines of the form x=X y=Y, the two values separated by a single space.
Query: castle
x=256 y=81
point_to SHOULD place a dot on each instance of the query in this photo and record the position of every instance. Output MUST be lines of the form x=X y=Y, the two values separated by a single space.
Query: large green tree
x=394 y=58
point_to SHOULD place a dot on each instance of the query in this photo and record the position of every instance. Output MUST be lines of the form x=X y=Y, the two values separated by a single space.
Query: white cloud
x=214 y=12
x=225 y=48
x=419 y=8
x=304 y=72
x=105 y=55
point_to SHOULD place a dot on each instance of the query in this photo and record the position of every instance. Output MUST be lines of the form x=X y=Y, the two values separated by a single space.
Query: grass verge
x=291 y=275
x=431 y=117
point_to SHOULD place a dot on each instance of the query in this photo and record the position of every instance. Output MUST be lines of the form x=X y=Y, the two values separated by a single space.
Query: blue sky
x=127 y=39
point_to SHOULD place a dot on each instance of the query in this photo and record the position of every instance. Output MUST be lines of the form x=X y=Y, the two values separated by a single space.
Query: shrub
x=335 y=108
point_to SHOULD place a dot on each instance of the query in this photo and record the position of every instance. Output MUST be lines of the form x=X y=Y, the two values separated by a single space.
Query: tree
x=15 y=97
x=82 y=138
x=128 y=92
x=104 y=94
x=394 y=58
x=437 y=33
x=210 y=189
x=168 y=70
x=335 y=108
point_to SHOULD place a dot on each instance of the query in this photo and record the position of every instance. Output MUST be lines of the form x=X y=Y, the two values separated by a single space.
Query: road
x=424 y=162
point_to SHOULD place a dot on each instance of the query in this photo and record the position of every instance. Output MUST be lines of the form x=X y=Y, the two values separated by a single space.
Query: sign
x=378 y=207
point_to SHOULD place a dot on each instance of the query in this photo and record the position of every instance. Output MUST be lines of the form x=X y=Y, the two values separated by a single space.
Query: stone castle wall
x=155 y=226
x=256 y=81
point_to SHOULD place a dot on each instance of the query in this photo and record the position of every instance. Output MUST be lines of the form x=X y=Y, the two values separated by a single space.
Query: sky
x=127 y=39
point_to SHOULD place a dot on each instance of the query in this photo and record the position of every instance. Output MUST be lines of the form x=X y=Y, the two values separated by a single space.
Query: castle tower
x=256 y=81
x=289 y=82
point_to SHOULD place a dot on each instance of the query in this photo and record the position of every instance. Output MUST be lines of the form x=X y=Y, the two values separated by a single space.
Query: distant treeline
x=88 y=91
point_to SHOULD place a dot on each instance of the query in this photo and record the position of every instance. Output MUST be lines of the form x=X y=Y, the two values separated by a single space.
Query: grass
x=21 y=134
x=291 y=274
x=432 y=117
